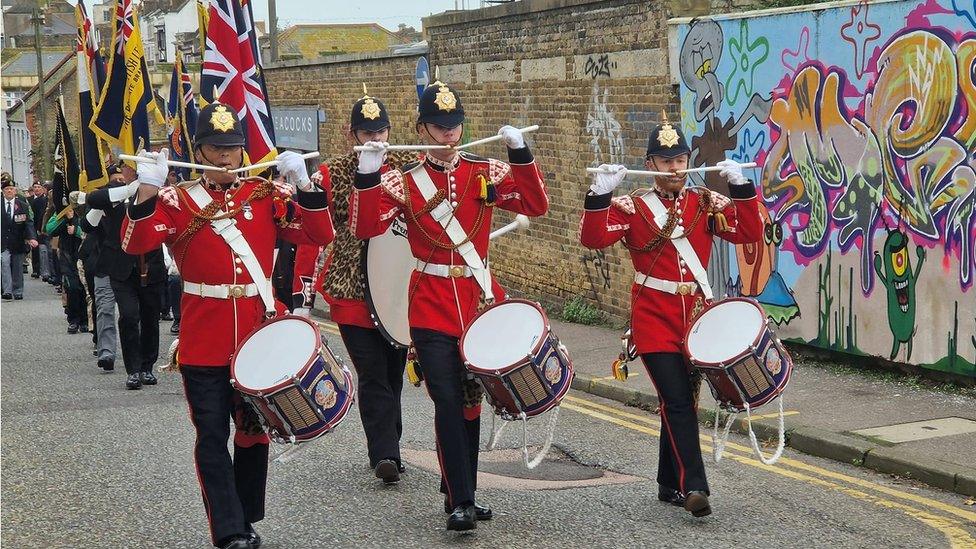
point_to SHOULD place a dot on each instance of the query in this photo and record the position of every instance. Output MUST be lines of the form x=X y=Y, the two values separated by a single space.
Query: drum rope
x=781 y=432
x=718 y=443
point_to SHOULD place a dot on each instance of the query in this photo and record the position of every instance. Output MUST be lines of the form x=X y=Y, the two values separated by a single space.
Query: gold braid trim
x=430 y=205
x=210 y=213
x=665 y=233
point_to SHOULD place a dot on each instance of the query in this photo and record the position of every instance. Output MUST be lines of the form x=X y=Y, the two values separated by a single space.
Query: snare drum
x=742 y=359
x=521 y=364
x=288 y=373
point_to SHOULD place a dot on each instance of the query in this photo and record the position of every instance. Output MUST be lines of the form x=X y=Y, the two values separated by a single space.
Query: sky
x=388 y=13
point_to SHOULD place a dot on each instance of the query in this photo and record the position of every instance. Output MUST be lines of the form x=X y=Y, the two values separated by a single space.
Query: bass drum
x=388 y=265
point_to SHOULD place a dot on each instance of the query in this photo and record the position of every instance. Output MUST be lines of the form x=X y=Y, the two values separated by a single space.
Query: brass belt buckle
x=457 y=271
x=237 y=291
x=684 y=288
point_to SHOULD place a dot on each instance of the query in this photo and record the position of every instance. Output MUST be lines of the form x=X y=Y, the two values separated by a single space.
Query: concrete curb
x=815 y=441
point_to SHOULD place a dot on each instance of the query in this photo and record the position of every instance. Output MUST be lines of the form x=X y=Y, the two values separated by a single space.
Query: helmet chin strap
x=212 y=163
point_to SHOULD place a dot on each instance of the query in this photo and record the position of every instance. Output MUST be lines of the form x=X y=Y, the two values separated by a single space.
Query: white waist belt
x=221 y=291
x=667 y=286
x=446 y=271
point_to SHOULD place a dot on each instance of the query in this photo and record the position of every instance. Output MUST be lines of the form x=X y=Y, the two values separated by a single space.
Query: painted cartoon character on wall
x=894 y=269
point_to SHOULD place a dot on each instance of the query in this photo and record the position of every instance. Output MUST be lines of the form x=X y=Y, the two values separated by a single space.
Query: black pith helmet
x=369 y=114
x=440 y=105
x=666 y=140
x=218 y=125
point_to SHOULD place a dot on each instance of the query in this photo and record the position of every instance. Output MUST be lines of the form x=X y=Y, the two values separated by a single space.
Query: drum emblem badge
x=774 y=362
x=553 y=370
x=325 y=394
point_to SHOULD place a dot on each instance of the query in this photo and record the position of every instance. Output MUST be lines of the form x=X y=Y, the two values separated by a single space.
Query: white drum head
x=389 y=264
x=503 y=335
x=274 y=353
x=725 y=331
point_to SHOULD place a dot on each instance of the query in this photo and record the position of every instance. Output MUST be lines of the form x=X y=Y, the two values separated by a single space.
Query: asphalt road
x=86 y=463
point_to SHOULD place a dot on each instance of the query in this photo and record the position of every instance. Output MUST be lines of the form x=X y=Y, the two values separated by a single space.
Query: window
x=161 y=43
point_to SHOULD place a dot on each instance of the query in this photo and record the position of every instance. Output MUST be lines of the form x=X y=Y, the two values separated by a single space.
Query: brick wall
x=336 y=85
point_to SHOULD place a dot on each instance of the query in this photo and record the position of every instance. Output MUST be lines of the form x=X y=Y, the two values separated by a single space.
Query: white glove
x=77 y=197
x=292 y=166
x=153 y=173
x=732 y=172
x=607 y=180
x=371 y=159
x=303 y=312
x=513 y=137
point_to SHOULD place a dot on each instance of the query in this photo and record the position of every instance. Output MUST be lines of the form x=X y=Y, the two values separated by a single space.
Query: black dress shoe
x=670 y=495
x=133 y=382
x=463 y=518
x=72 y=328
x=6 y=297
x=696 y=503
x=165 y=316
x=481 y=512
x=18 y=297
x=148 y=378
x=240 y=541
x=388 y=471
x=175 y=328
x=83 y=329
x=106 y=364
x=253 y=537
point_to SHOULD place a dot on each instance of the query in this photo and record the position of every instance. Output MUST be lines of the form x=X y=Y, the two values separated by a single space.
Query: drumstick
x=270 y=163
x=520 y=222
x=494 y=138
x=716 y=168
x=361 y=148
x=634 y=172
x=176 y=163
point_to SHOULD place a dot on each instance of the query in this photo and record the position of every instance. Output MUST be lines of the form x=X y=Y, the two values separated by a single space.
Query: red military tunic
x=212 y=328
x=440 y=303
x=659 y=319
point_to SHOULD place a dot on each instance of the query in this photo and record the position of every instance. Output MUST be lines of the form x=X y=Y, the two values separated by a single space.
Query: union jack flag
x=232 y=71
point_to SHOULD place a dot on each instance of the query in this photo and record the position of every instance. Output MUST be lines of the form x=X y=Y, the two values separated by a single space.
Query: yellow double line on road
x=949 y=520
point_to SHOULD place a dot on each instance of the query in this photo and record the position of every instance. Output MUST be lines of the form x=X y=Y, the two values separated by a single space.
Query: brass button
x=238 y=270
x=237 y=260
x=230 y=204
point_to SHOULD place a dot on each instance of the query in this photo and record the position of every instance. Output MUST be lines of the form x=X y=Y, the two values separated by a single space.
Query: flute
x=521 y=221
x=634 y=172
x=715 y=168
x=494 y=138
x=270 y=163
x=176 y=163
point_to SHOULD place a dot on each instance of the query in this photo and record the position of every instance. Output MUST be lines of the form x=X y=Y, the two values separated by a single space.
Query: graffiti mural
x=867 y=154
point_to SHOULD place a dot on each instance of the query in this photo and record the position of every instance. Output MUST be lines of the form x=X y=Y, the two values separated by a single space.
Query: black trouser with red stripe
x=379 y=369
x=680 y=464
x=233 y=491
x=457 y=437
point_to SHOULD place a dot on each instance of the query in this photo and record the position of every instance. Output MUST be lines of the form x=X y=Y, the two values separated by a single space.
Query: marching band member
x=222 y=231
x=668 y=230
x=379 y=365
x=447 y=201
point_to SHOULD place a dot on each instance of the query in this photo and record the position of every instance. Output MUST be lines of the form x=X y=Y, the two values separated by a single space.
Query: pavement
x=823 y=405
x=85 y=463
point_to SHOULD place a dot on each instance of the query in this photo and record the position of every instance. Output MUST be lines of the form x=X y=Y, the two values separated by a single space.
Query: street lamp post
x=37 y=18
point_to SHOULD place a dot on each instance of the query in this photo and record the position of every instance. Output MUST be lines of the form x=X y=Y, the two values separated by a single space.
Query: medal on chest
x=248 y=211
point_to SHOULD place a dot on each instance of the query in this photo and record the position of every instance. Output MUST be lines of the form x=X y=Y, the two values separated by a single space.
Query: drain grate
x=504 y=469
